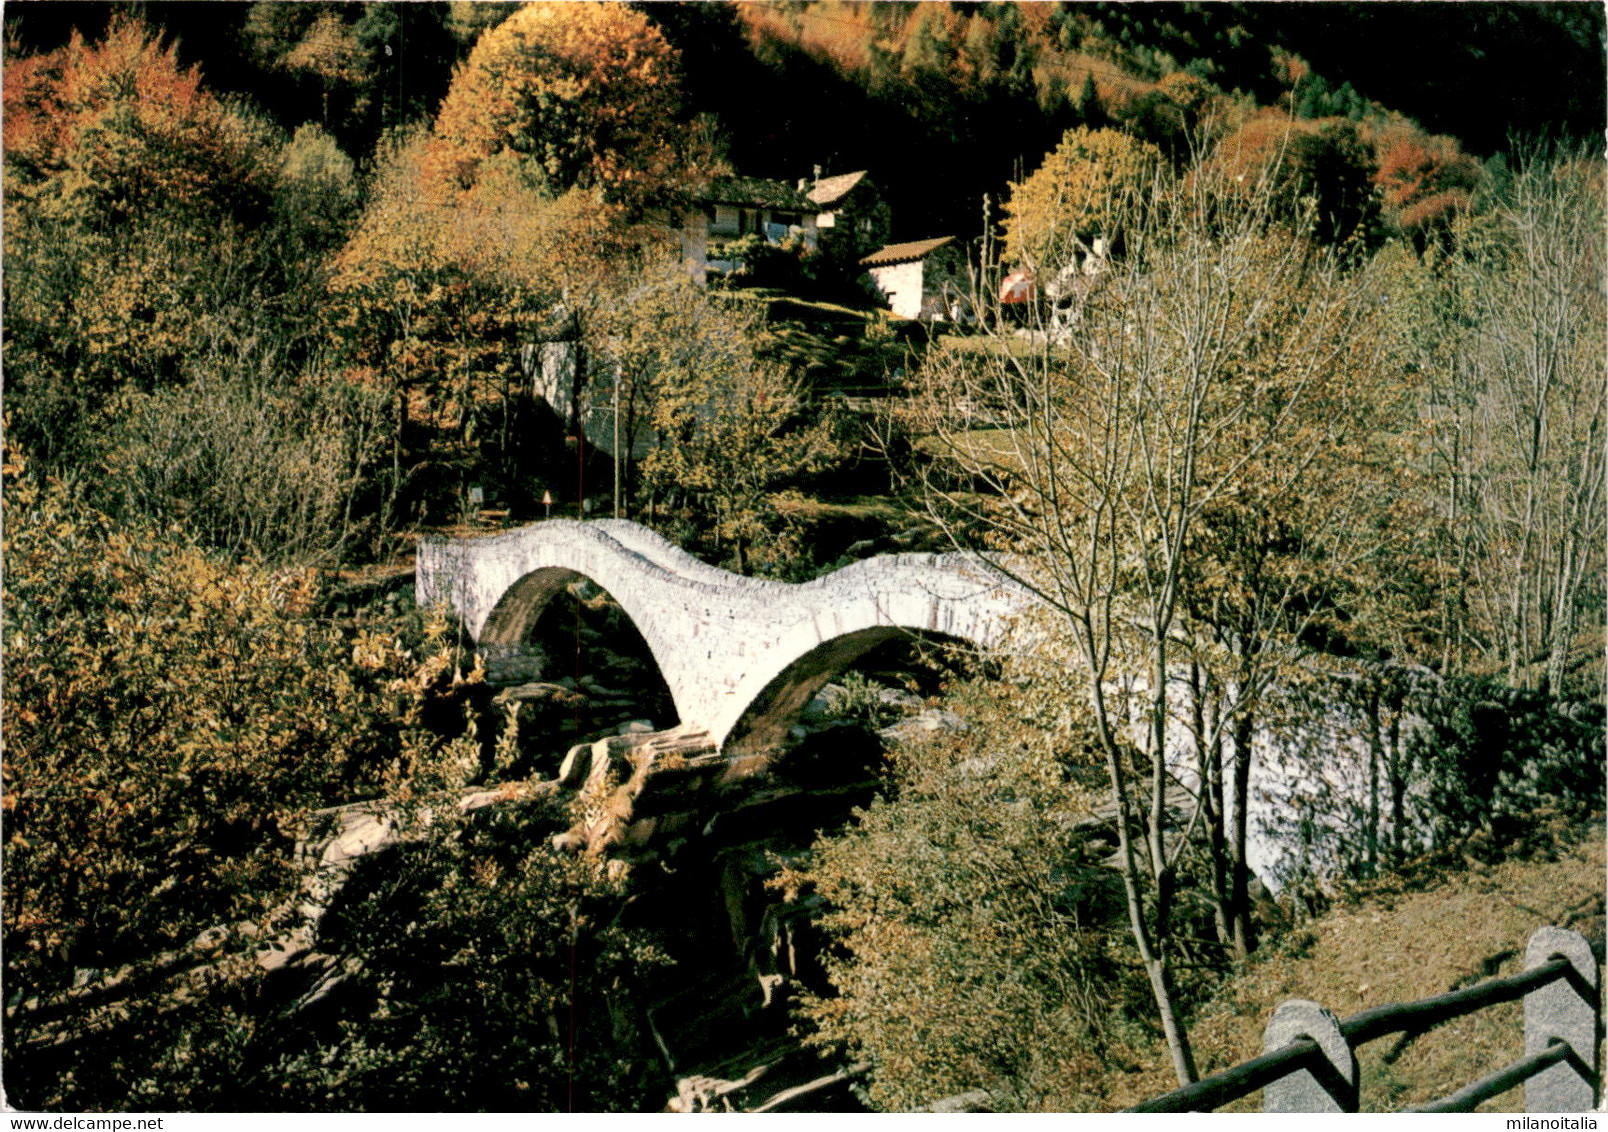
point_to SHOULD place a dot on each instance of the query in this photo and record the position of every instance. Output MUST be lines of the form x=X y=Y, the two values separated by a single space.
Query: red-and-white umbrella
x=1017 y=287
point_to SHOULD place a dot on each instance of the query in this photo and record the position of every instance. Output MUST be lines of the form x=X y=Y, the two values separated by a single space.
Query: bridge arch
x=721 y=641
x=767 y=719
x=518 y=620
x=511 y=620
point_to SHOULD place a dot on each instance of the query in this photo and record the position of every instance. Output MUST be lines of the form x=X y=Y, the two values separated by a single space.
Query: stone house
x=734 y=207
x=924 y=279
x=851 y=218
x=841 y=217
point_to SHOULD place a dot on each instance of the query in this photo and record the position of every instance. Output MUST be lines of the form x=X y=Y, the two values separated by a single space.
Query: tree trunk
x=1375 y=757
x=1240 y=880
x=1154 y=961
x=1149 y=948
x=1209 y=762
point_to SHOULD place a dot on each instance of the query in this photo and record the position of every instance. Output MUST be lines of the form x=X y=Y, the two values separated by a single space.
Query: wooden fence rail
x=1310 y=1062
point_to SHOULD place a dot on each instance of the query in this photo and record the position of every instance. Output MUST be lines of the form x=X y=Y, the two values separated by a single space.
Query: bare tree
x=1528 y=382
x=1148 y=462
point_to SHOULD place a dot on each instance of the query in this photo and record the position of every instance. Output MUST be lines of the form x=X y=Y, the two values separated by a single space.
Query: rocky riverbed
x=701 y=833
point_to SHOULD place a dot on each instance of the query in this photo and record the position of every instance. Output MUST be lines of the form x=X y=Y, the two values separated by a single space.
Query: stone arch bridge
x=725 y=644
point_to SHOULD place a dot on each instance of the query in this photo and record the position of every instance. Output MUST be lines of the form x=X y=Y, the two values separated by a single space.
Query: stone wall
x=900 y=284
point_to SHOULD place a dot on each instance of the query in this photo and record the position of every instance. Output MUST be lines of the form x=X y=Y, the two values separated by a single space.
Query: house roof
x=755 y=191
x=900 y=253
x=830 y=190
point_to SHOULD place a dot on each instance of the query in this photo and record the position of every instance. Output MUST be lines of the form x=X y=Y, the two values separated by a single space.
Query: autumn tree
x=351 y=57
x=1307 y=549
x=163 y=253
x=971 y=937
x=1325 y=161
x=1496 y=322
x=730 y=431
x=1520 y=416
x=247 y=462
x=315 y=207
x=439 y=296
x=128 y=192
x=506 y=226
x=313 y=40
x=586 y=95
x=1424 y=180
x=1058 y=211
x=171 y=719
x=468 y=19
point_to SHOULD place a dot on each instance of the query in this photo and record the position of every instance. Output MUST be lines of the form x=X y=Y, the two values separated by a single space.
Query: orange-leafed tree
x=441 y=297
x=1423 y=179
x=127 y=190
x=587 y=95
x=117 y=126
x=508 y=222
x=1323 y=163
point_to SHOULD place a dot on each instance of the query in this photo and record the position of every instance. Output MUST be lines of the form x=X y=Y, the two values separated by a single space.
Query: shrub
x=170 y=721
x=971 y=939
x=1494 y=755
x=491 y=973
x=479 y=970
x=249 y=465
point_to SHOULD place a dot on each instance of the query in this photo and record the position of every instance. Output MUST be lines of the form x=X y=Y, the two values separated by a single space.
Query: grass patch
x=993 y=446
x=989 y=345
x=1435 y=927
x=872 y=508
x=780 y=304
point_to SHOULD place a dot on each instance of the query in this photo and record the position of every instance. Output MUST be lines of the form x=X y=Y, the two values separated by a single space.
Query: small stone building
x=921 y=279
x=839 y=218
x=851 y=217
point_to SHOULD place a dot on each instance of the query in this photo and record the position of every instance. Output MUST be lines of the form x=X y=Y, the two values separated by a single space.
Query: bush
x=491 y=974
x=248 y=463
x=1494 y=756
x=481 y=970
x=170 y=722
x=1385 y=761
x=972 y=946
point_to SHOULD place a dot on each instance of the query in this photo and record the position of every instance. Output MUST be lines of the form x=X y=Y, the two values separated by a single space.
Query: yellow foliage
x=586 y=94
x=170 y=721
x=1084 y=186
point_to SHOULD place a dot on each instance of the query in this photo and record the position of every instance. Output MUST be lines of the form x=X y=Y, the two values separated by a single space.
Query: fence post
x=1334 y=1090
x=1559 y=1011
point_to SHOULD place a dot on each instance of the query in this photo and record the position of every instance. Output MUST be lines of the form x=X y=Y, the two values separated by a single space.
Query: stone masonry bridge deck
x=731 y=649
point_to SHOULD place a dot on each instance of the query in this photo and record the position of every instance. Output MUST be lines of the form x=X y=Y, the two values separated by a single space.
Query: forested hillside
x=786 y=81
x=1257 y=347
